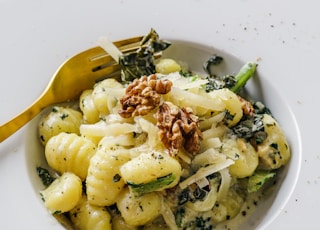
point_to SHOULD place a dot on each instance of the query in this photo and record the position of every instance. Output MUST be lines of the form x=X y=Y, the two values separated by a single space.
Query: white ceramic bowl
x=258 y=88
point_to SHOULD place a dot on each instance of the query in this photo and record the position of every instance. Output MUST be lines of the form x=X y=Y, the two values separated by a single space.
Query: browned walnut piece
x=178 y=127
x=142 y=95
x=246 y=106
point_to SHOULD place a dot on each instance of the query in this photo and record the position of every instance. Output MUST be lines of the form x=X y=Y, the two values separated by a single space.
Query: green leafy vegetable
x=160 y=182
x=140 y=63
x=252 y=127
x=258 y=179
x=220 y=82
x=249 y=126
x=234 y=83
x=45 y=176
x=211 y=62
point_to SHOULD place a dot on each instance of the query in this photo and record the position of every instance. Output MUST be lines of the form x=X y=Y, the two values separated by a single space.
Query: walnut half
x=142 y=95
x=178 y=127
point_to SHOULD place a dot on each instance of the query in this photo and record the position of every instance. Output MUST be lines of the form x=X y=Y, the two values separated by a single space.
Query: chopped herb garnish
x=56 y=212
x=274 y=145
x=45 y=176
x=228 y=116
x=116 y=178
x=64 y=116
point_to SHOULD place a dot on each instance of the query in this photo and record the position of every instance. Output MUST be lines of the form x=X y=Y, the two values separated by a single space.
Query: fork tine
x=103 y=60
x=99 y=63
x=97 y=56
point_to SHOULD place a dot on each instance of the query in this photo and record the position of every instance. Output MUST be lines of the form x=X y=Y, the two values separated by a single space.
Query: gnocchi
x=184 y=166
x=139 y=210
x=63 y=194
x=86 y=216
x=104 y=182
x=153 y=166
x=59 y=120
x=90 y=112
x=70 y=153
x=167 y=65
x=245 y=157
x=106 y=94
x=275 y=151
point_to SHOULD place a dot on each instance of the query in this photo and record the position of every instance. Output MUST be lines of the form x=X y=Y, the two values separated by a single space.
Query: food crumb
x=259 y=59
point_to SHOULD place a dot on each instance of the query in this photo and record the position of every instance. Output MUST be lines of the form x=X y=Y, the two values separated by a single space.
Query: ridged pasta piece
x=139 y=210
x=104 y=182
x=245 y=157
x=88 y=108
x=68 y=152
x=106 y=95
x=60 y=119
x=274 y=152
x=63 y=194
x=152 y=166
x=87 y=217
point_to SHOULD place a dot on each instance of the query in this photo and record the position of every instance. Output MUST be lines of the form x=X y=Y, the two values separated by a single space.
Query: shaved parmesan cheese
x=168 y=215
x=180 y=96
x=202 y=182
x=102 y=129
x=225 y=183
x=208 y=157
x=204 y=172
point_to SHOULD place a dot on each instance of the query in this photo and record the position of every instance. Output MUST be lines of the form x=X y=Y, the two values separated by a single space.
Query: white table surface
x=37 y=36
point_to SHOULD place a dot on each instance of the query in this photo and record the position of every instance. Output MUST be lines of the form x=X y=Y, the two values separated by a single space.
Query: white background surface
x=37 y=36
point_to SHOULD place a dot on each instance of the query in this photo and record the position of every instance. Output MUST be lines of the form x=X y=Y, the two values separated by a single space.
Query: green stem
x=244 y=75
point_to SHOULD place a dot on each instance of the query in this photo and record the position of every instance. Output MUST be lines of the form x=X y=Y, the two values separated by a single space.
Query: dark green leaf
x=140 y=63
x=45 y=176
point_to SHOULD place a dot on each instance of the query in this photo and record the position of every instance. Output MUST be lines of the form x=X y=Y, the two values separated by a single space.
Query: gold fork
x=78 y=73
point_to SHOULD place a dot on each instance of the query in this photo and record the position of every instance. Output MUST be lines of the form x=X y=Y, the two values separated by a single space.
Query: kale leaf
x=45 y=176
x=140 y=63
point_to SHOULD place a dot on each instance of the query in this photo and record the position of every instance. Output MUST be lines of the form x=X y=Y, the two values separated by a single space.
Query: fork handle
x=20 y=120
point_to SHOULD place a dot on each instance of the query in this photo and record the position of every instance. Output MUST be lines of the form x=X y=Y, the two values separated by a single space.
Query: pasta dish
x=169 y=149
